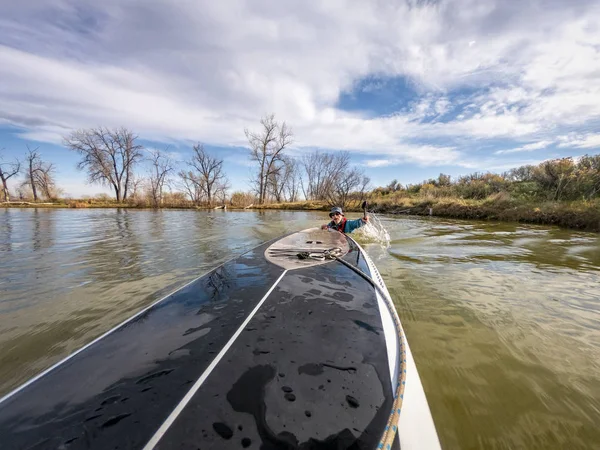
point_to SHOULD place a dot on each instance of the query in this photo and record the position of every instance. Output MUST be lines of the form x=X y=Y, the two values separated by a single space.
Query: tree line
x=563 y=179
x=38 y=175
x=112 y=157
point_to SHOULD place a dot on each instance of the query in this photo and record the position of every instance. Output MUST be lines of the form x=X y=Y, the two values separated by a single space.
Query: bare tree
x=315 y=165
x=284 y=182
x=208 y=176
x=292 y=182
x=109 y=156
x=40 y=175
x=7 y=171
x=276 y=182
x=136 y=184
x=190 y=184
x=161 y=166
x=33 y=161
x=330 y=177
x=324 y=171
x=266 y=149
x=46 y=183
x=221 y=191
x=348 y=182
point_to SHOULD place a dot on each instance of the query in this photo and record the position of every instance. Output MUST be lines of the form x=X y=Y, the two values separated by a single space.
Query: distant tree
x=7 y=171
x=444 y=180
x=136 y=184
x=282 y=177
x=520 y=174
x=103 y=197
x=243 y=199
x=109 y=156
x=589 y=174
x=207 y=178
x=394 y=186
x=190 y=184
x=161 y=167
x=40 y=175
x=221 y=191
x=555 y=176
x=266 y=149
x=329 y=176
x=348 y=182
x=319 y=172
x=292 y=179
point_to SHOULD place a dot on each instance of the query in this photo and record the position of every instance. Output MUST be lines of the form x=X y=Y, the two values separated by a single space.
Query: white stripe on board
x=64 y=360
x=389 y=329
x=186 y=399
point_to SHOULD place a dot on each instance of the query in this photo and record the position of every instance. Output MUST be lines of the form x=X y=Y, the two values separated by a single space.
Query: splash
x=374 y=232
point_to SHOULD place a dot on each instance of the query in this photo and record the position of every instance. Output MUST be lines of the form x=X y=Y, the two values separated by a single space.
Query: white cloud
x=380 y=162
x=203 y=71
x=526 y=148
x=587 y=140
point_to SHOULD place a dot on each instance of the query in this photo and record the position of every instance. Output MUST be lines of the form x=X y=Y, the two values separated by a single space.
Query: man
x=341 y=224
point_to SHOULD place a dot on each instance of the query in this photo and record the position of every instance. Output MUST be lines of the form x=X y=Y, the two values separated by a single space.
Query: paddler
x=341 y=224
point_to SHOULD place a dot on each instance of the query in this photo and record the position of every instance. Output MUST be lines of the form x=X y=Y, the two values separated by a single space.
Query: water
x=503 y=319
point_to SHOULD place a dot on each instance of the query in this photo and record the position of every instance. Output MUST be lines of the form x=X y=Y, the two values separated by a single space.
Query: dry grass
x=77 y=204
x=582 y=215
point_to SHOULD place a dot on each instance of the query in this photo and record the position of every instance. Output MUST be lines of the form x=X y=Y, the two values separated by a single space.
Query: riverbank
x=575 y=215
x=579 y=215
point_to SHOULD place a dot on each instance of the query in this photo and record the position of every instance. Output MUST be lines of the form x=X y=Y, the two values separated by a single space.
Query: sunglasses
x=334 y=214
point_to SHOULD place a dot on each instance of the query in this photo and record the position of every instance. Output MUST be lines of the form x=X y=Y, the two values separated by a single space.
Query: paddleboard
x=292 y=345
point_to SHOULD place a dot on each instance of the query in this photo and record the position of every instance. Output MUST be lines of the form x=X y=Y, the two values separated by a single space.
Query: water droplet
x=286 y=389
x=110 y=400
x=223 y=430
x=352 y=401
x=307 y=413
x=246 y=442
x=114 y=420
x=290 y=397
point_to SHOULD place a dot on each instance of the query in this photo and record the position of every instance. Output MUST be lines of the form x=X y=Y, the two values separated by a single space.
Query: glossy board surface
x=309 y=369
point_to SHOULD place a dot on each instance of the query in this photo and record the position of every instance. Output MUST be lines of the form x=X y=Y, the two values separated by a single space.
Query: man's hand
x=323 y=227
x=366 y=218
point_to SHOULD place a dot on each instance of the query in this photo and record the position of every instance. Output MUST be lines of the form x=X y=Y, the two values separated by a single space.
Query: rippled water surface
x=503 y=319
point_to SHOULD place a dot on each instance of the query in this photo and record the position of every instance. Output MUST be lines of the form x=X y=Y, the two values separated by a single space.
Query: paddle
x=364 y=208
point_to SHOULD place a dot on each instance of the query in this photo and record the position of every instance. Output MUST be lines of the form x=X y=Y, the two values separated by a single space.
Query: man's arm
x=352 y=225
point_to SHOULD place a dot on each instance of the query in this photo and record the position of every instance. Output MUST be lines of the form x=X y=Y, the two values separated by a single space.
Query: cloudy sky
x=411 y=88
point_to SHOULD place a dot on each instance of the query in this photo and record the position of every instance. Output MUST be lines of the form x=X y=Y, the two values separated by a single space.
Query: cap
x=335 y=209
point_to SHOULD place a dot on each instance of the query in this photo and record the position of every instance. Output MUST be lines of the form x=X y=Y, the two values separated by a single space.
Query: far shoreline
x=577 y=215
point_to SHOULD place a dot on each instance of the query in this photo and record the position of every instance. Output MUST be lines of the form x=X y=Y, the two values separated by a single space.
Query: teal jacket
x=349 y=226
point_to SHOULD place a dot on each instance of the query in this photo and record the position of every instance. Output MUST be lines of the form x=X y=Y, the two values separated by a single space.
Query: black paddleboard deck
x=252 y=355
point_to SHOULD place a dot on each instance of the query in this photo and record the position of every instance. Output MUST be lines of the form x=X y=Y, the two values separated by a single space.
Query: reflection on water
x=503 y=319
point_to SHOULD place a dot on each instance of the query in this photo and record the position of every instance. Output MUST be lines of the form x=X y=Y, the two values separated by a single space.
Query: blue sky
x=409 y=88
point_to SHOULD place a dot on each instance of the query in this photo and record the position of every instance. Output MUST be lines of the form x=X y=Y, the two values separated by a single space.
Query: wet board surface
x=265 y=357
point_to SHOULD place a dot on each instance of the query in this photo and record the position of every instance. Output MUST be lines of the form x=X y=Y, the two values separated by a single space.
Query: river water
x=503 y=319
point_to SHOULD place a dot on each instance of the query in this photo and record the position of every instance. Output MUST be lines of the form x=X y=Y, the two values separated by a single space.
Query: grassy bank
x=580 y=215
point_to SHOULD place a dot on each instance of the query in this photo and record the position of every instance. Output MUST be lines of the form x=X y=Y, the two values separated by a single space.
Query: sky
x=410 y=88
